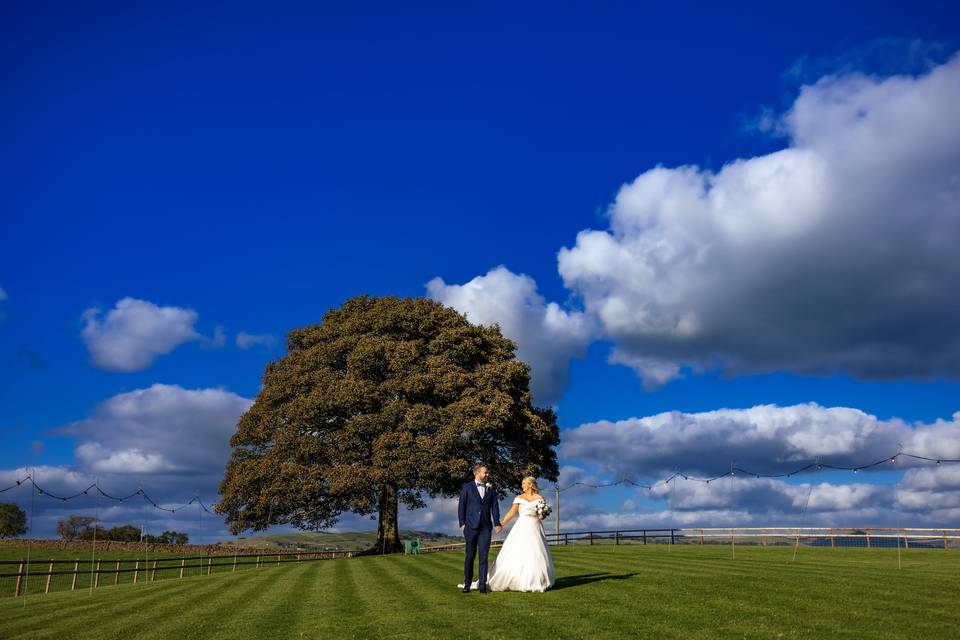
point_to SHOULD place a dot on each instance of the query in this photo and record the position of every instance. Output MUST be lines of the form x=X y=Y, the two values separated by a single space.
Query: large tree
x=385 y=401
x=75 y=527
x=13 y=521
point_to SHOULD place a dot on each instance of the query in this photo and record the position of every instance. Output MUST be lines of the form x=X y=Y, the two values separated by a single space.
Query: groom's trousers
x=477 y=541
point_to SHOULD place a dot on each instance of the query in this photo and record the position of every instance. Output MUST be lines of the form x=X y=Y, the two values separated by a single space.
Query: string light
x=816 y=465
x=623 y=481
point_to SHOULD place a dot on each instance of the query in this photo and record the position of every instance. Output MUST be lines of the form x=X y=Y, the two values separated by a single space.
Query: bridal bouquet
x=542 y=509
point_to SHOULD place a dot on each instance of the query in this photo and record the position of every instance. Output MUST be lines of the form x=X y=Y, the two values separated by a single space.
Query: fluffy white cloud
x=132 y=334
x=546 y=335
x=248 y=340
x=163 y=428
x=174 y=442
x=837 y=253
x=764 y=439
x=932 y=489
x=768 y=495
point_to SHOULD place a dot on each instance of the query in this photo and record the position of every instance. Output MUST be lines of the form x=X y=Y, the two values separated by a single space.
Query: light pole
x=557 y=489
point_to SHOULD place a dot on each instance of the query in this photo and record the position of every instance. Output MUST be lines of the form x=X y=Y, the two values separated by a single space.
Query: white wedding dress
x=524 y=562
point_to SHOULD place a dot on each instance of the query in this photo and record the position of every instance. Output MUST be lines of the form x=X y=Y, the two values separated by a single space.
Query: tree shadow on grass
x=586 y=578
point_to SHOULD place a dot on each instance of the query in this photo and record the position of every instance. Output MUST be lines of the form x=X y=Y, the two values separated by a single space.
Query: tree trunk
x=388 y=533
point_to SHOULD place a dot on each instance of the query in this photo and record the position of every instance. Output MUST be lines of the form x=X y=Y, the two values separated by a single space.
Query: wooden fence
x=868 y=538
x=92 y=573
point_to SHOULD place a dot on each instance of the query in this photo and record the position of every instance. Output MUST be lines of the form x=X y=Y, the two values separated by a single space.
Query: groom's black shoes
x=484 y=589
x=466 y=589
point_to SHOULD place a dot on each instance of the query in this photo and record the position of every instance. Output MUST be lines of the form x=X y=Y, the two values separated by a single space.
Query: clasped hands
x=497 y=528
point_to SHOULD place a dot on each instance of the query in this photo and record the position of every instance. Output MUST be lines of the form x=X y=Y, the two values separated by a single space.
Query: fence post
x=673 y=540
x=182 y=562
x=566 y=540
x=868 y=538
x=76 y=569
x=906 y=540
x=258 y=562
x=833 y=540
x=153 y=574
x=136 y=571
x=945 y=540
x=617 y=536
x=234 y=562
x=591 y=538
x=701 y=536
x=46 y=588
x=116 y=578
x=96 y=579
x=19 y=578
x=209 y=564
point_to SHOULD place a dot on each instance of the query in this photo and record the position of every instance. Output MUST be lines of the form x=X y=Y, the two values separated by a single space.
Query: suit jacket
x=476 y=512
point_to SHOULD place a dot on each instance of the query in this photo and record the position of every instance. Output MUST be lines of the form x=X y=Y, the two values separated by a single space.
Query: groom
x=479 y=514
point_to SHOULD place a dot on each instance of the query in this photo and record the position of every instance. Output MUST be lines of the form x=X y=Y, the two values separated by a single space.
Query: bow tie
x=480 y=484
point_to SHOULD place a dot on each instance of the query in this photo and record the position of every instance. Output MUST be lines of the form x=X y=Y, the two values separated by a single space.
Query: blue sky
x=256 y=167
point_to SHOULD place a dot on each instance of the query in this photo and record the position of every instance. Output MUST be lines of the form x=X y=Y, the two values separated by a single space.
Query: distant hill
x=342 y=541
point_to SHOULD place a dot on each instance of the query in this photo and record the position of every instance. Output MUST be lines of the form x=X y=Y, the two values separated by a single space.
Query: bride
x=524 y=562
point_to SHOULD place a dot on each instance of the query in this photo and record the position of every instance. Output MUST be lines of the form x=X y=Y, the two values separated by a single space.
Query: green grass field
x=601 y=592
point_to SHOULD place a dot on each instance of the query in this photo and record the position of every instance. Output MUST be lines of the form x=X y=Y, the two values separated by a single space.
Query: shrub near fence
x=18 y=578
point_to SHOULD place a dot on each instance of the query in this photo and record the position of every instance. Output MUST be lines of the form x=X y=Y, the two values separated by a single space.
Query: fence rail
x=865 y=537
x=93 y=573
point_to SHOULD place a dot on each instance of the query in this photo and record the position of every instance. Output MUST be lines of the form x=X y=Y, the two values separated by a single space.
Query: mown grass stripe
x=232 y=602
x=601 y=592
x=93 y=610
x=80 y=603
x=317 y=594
x=272 y=614
x=93 y=617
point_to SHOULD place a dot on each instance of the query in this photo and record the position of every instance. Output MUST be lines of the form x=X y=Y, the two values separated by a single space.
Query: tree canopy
x=13 y=521
x=74 y=527
x=385 y=401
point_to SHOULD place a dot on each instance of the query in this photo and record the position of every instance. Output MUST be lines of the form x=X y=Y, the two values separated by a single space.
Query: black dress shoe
x=465 y=589
x=484 y=589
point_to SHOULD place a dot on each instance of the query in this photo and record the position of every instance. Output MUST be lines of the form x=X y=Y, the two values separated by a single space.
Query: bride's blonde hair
x=532 y=481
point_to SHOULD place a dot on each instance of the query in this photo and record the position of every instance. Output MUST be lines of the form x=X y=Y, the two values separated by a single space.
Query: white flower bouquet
x=542 y=509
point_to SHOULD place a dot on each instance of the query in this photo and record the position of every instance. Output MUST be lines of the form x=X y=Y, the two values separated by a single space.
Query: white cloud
x=248 y=340
x=769 y=495
x=162 y=428
x=132 y=334
x=174 y=442
x=838 y=253
x=764 y=439
x=931 y=489
x=219 y=338
x=546 y=335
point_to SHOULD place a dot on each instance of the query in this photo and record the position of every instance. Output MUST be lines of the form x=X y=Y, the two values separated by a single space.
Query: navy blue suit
x=477 y=516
